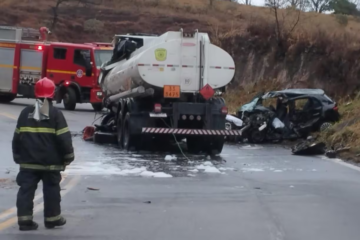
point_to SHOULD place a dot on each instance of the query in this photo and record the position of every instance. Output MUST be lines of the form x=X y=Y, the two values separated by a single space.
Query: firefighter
x=42 y=146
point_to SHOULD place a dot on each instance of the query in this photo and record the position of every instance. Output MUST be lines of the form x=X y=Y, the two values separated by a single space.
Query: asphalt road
x=248 y=192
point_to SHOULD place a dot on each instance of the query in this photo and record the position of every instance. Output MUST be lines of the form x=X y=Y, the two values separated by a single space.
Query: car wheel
x=97 y=106
x=325 y=126
x=256 y=136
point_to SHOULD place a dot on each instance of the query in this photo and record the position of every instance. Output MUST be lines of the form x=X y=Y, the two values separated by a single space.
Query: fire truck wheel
x=7 y=98
x=69 y=99
x=97 y=106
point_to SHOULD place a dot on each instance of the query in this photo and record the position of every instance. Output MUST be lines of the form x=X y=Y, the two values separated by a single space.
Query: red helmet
x=44 y=88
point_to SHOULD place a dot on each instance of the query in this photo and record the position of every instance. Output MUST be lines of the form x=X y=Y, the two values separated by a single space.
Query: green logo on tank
x=160 y=54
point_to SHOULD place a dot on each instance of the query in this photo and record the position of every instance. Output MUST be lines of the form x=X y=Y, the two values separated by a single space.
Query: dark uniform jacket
x=42 y=145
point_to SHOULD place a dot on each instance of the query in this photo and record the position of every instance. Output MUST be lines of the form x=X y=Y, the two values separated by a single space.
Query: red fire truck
x=74 y=68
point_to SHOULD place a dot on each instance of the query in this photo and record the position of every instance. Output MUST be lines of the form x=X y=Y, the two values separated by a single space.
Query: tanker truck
x=164 y=88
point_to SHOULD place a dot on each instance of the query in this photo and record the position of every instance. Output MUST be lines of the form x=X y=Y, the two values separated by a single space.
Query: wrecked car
x=233 y=122
x=298 y=112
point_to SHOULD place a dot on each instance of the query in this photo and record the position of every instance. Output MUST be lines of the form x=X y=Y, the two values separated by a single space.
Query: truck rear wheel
x=69 y=99
x=97 y=106
x=130 y=141
x=194 y=144
x=120 y=131
x=215 y=145
x=7 y=98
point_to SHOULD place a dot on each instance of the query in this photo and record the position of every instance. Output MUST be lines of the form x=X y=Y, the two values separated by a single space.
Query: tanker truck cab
x=74 y=68
x=164 y=90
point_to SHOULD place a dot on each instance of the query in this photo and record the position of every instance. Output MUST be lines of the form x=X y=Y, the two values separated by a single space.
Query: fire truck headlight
x=99 y=94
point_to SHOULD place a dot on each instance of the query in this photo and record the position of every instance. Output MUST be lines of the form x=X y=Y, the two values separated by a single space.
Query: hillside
x=299 y=50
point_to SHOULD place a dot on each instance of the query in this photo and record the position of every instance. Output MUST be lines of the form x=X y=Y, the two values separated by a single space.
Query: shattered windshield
x=102 y=56
x=251 y=105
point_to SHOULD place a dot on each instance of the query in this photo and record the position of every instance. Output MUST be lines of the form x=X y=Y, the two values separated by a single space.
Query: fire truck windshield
x=102 y=56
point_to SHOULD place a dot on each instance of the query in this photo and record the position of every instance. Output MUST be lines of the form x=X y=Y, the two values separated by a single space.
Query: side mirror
x=88 y=70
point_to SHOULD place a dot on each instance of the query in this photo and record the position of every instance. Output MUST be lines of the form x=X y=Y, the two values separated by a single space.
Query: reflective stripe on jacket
x=42 y=145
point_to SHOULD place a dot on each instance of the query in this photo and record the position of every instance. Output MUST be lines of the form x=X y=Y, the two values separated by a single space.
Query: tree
x=55 y=9
x=298 y=4
x=211 y=3
x=285 y=20
x=344 y=7
x=320 y=5
x=246 y=2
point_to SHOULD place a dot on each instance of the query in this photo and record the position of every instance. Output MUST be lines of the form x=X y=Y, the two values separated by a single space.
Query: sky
x=257 y=2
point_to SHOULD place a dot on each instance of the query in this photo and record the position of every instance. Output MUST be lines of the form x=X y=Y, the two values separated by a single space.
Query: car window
x=302 y=104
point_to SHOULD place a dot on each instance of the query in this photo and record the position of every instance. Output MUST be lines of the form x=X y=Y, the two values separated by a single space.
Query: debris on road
x=334 y=153
x=331 y=154
x=93 y=189
x=309 y=147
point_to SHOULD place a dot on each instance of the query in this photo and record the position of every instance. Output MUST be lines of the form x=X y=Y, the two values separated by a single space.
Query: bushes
x=93 y=25
x=341 y=19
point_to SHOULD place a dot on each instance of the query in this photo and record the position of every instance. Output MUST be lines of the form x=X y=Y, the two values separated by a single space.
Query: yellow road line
x=38 y=207
x=8 y=115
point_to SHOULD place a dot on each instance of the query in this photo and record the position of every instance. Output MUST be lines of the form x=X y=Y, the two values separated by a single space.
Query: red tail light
x=40 y=48
x=336 y=108
x=224 y=110
x=157 y=107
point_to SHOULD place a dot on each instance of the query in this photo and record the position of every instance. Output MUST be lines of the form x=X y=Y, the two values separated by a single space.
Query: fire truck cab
x=74 y=68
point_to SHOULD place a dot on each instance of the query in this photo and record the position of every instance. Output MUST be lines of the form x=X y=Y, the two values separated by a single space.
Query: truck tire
x=107 y=119
x=215 y=146
x=97 y=106
x=131 y=142
x=194 y=144
x=7 y=98
x=69 y=99
x=120 y=131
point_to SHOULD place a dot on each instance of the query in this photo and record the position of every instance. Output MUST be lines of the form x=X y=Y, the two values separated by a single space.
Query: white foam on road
x=251 y=147
x=98 y=168
x=170 y=158
x=208 y=167
x=252 y=169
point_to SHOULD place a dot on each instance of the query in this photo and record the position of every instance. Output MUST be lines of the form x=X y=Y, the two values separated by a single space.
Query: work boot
x=57 y=223
x=28 y=226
